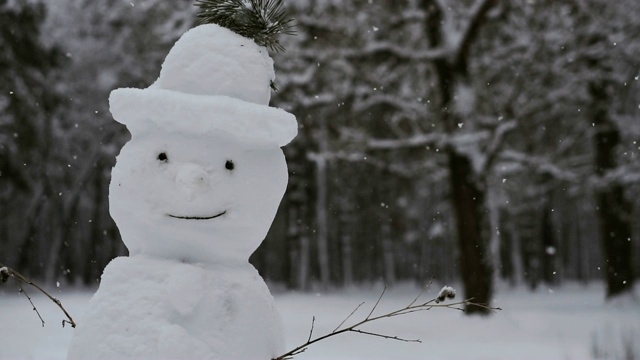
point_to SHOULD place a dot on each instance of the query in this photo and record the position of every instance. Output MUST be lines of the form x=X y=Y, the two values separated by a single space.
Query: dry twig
x=414 y=306
x=7 y=272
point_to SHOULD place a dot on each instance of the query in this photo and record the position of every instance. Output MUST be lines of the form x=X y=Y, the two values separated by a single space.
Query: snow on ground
x=564 y=323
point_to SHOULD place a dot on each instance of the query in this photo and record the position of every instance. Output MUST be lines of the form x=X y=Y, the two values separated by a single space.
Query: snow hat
x=213 y=80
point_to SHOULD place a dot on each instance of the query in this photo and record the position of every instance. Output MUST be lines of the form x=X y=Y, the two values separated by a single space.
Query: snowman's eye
x=229 y=165
x=163 y=157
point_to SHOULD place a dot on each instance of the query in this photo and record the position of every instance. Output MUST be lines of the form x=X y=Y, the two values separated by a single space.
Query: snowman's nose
x=192 y=180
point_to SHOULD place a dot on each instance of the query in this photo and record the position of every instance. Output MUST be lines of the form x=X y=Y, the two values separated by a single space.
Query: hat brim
x=140 y=109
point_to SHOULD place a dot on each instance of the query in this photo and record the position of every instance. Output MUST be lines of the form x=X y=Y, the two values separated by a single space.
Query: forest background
x=462 y=140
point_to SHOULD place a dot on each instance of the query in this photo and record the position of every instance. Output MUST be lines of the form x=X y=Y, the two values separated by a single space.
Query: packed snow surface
x=566 y=323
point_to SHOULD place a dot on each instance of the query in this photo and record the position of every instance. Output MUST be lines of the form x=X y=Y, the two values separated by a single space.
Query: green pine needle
x=260 y=20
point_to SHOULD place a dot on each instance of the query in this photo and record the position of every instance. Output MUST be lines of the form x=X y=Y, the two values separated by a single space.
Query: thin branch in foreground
x=22 y=290
x=424 y=288
x=377 y=302
x=414 y=306
x=7 y=272
x=313 y=322
x=386 y=336
x=345 y=319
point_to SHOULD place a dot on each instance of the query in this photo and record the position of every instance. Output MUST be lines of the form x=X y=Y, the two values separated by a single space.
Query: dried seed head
x=4 y=274
x=446 y=292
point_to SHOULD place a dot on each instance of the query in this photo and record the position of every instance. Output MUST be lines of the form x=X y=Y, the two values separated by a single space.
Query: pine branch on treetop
x=260 y=20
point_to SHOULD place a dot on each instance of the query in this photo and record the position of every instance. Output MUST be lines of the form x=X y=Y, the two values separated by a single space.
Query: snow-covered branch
x=496 y=144
x=404 y=170
x=382 y=49
x=293 y=80
x=398 y=103
x=419 y=140
x=307 y=101
x=626 y=175
x=392 y=49
x=477 y=16
x=315 y=22
x=407 y=16
x=541 y=165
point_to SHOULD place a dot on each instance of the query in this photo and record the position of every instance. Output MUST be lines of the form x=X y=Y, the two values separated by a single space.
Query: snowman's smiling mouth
x=197 y=217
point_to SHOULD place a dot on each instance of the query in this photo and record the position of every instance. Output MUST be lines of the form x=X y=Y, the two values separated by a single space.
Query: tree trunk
x=528 y=224
x=614 y=210
x=473 y=238
x=508 y=253
x=321 y=207
x=388 y=260
x=347 y=219
x=549 y=249
x=615 y=232
x=298 y=241
x=468 y=191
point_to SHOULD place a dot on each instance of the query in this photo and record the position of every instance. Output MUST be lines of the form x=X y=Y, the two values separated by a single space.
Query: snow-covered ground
x=566 y=323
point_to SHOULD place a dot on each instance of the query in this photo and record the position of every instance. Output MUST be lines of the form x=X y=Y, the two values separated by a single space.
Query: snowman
x=193 y=193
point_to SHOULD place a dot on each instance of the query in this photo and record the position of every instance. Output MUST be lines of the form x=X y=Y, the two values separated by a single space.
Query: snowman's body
x=193 y=193
x=162 y=309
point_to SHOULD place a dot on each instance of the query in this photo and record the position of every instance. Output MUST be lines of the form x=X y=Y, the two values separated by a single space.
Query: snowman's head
x=203 y=174
x=195 y=182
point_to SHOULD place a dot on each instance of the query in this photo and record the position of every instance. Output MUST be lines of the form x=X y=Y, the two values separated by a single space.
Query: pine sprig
x=260 y=20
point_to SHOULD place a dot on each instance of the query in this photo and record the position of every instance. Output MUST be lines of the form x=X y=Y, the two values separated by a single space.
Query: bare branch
x=313 y=322
x=386 y=336
x=411 y=308
x=21 y=279
x=22 y=290
x=405 y=312
x=377 y=302
x=424 y=288
x=347 y=318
